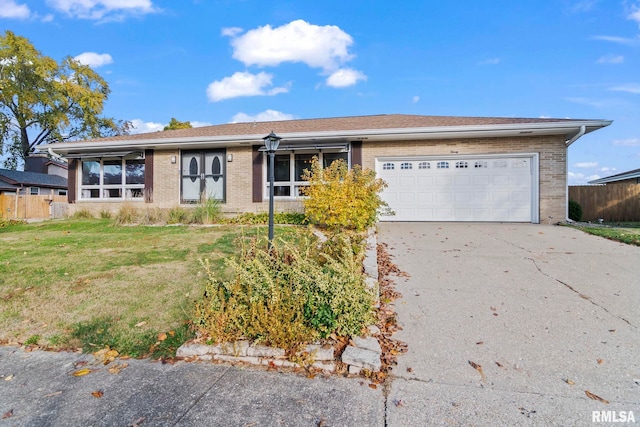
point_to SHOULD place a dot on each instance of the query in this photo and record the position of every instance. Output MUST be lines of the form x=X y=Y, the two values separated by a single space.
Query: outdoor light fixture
x=173 y=160
x=271 y=143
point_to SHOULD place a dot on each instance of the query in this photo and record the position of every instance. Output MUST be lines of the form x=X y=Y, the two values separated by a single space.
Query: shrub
x=339 y=197
x=83 y=214
x=575 y=211
x=6 y=222
x=127 y=214
x=178 y=215
x=287 y=296
x=153 y=216
x=208 y=211
x=105 y=214
x=248 y=218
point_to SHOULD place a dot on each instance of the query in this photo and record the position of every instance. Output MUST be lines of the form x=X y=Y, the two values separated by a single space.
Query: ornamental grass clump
x=338 y=197
x=286 y=297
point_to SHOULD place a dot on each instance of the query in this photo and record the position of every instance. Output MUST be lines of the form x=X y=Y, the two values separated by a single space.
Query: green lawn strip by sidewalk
x=628 y=235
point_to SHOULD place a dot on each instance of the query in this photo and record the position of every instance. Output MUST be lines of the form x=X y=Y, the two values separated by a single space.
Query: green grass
x=628 y=233
x=88 y=283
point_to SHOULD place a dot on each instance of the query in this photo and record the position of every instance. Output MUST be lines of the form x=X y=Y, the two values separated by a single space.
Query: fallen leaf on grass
x=115 y=369
x=81 y=372
x=162 y=336
x=97 y=393
x=139 y=324
x=595 y=397
x=8 y=414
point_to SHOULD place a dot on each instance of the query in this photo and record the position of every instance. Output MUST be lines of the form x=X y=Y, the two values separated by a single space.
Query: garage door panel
x=484 y=189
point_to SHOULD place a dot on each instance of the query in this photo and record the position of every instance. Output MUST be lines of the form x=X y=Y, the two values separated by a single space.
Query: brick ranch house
x=437 y=168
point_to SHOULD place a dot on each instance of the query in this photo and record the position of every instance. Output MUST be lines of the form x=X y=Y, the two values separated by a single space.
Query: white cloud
x=345 y=77
x=619 y=40
x=243 y=84
x=586 y=165
x=415 y=99
x=103 y=9
x=323 y=47
x=231 y=31
x=628 y=87
x=264 y=116
x=197 y=124
x=11 y=9
x=490 y=61
x=580 y=178
x=606 y=169
x=94 y=60
x=138 y=126
x=631 y=142
x=611 y=59
x=634 y=14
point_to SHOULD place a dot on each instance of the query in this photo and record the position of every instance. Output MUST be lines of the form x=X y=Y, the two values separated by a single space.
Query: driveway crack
x=580 y=294
x=199 y=398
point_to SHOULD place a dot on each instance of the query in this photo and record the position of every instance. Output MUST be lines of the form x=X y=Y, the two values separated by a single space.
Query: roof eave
x=567 y=128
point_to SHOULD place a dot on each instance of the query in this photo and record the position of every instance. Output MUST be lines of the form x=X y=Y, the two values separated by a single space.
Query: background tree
x=43 y=101
x=176 y=124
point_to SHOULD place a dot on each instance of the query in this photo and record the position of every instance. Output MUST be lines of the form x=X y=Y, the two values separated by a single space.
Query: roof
x=372 y=128
x=618 y=177
x=31 y=179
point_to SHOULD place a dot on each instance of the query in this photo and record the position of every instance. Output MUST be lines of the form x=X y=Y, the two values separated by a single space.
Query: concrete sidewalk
x=40 y=390
x=547 y=312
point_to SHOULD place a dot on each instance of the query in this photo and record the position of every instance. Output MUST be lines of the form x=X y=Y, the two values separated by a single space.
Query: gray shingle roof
x=617 y=177
x=31 y=179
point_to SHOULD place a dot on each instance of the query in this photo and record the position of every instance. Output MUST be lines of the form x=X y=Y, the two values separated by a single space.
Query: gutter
x=581 y=132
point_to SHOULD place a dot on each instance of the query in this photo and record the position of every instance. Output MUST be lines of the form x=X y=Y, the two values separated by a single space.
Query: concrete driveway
x=548 y=313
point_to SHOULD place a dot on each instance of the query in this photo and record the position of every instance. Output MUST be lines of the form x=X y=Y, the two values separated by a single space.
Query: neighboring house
x=630 y=177
x=33 y=183
x=437 y=168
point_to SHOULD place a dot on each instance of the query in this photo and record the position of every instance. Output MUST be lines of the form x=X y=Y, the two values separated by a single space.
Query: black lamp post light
x=271 y=143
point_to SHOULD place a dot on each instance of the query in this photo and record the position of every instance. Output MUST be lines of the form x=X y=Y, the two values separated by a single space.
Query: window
x=480 y=164
x=424 y=165
x=62 y=192
x=442 y=165
x=406 y=165
x=112 y=178
x=289 y=169
x=499 y=163
x=34 y=191
x=203 y=174
x=388 y=166
x=462 y=165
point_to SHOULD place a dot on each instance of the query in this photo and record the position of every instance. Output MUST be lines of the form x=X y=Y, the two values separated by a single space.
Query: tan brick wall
x=551 y=149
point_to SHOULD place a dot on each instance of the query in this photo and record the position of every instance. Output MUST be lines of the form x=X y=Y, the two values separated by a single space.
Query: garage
x=495 y=188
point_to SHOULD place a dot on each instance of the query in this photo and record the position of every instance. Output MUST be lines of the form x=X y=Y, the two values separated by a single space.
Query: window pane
x=90 y=173
x=135 y=171
x=328 y=158
x=112 y=172
x=282 y=170
x=281 y=191
x=302 y=162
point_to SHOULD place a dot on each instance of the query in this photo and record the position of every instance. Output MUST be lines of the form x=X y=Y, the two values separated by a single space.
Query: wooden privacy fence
x=32 y=207
x=613 y=202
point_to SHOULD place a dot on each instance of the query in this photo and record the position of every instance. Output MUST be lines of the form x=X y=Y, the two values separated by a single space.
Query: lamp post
x=271 y=143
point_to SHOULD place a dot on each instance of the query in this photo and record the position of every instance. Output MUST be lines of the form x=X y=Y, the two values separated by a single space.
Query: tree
x=43 y=101
x=176 y=124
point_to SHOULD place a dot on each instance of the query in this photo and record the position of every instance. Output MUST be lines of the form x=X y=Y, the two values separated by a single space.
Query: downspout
x=581 y=132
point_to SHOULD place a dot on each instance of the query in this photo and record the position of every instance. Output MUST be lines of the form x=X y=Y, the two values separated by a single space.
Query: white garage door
x=459 y=189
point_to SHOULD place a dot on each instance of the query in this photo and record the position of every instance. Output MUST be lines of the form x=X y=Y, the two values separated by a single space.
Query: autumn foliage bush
x=339 y=197
x=288 y=296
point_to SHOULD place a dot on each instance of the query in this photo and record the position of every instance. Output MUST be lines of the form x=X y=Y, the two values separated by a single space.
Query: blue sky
x=212 y=62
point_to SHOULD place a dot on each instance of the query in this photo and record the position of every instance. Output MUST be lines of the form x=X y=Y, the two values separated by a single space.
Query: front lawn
x=88 y=283
x=626 y=232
